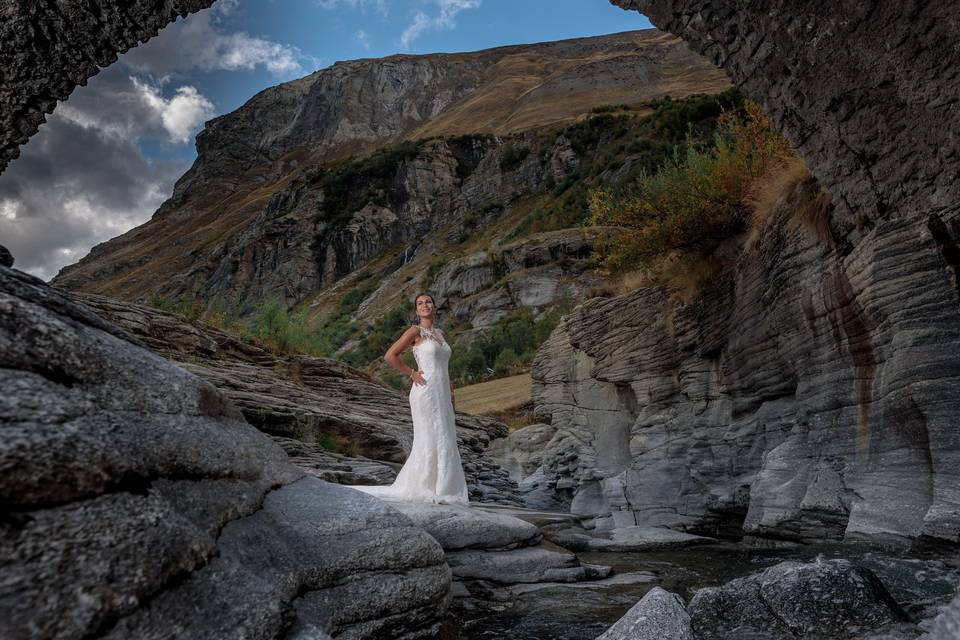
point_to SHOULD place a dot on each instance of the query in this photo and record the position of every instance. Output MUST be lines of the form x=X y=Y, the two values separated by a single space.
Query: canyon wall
x=808 y=394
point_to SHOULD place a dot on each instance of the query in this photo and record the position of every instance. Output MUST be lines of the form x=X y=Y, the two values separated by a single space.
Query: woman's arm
x=392 y=357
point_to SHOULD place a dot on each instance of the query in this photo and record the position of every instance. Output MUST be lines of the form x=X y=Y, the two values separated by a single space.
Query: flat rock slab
x=459 y=527
x=627 y=539
x=526 y=565
x=660 y=615
x=533 y=516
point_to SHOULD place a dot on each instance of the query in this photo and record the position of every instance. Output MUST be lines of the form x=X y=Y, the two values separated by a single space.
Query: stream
x=583 y=611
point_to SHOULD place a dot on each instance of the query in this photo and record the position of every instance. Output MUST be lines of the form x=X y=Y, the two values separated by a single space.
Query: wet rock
x=825 y=600
x=139 y=503
x=6 y=258
x=660 y=615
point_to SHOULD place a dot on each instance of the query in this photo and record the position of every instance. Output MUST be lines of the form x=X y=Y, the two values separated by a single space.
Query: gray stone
x=461 y=527
x=660 y=615
x=871 y=111
x=140 y=504
x=521 y=450
x=946 y=626
x=825 y=600
x=807 y=394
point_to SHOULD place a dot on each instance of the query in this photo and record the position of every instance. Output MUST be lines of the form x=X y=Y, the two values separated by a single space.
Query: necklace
x=432 y=333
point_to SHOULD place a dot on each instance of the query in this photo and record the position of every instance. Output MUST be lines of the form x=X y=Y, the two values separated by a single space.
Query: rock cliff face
x=48 y=49
x=255 y=217
x=812 y=393
x=137 y=503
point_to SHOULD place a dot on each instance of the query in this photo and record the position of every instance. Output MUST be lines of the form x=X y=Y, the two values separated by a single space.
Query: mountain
x=254 y=218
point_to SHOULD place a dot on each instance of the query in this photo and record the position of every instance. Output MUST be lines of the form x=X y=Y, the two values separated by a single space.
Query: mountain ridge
x=246 y=157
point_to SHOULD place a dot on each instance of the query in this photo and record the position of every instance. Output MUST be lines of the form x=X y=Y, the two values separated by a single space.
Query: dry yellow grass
x=765 y=194
x=495 y=396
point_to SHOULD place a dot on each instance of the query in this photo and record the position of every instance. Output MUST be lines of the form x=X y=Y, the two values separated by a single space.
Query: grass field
x=495 y=396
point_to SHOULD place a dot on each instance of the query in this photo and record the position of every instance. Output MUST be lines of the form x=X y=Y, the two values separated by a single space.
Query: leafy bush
x=349 y=185
x=695 y=200
x=512 y=155
x=379 y=337
x=494 y=353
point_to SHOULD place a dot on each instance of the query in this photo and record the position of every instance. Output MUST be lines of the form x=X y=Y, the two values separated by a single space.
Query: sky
x=110 y=154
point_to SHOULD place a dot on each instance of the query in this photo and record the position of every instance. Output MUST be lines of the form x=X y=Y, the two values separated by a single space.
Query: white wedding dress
x=433 y=471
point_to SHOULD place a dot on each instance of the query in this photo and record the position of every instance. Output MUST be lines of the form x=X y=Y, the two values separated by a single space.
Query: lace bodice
x=432 y=354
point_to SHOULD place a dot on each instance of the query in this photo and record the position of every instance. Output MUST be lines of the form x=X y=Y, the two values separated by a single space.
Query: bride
x=432 y=472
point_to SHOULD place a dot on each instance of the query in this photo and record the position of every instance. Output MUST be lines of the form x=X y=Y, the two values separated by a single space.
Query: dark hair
x=416 y=318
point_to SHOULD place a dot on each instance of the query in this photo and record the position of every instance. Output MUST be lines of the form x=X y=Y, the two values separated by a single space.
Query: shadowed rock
x=137 y=500
x=871 y=108
x=825 y=600
x=660 y=615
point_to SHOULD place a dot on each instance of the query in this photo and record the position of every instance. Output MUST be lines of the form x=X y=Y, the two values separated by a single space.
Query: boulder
x=660 y=615
x=823 y=600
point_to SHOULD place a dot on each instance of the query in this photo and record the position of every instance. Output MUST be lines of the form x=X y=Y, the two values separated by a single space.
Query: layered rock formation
x=809 y=394
x=139 y=503
x=48 y=49
x=304 y=401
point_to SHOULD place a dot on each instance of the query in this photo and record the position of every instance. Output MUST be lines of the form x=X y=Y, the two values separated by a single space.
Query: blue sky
x=110 y=154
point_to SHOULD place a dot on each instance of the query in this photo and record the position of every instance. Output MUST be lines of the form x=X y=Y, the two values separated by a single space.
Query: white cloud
x=9 y=209
x=363 y=39
x=444 y=19
x=182 y=114
x=200 y=43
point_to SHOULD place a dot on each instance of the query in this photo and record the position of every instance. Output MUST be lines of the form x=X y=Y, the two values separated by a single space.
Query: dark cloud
x=83 y=178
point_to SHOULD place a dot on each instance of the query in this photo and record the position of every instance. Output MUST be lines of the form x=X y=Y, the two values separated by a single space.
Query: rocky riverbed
x=919 y=586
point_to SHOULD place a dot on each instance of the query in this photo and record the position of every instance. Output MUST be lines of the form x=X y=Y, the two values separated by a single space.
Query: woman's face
x=424 y=306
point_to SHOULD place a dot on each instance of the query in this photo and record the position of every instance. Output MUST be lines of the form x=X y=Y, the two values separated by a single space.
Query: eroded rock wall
x=812 y=393
x=51 y=47
x=866 y=91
